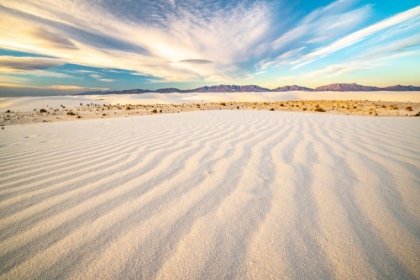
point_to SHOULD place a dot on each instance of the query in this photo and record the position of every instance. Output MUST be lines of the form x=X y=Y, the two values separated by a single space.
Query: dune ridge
x=210 y=195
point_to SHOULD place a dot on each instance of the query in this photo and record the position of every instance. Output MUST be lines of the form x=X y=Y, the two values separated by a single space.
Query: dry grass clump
x=409 y=108
x=42 y=111
x=71 y=113
x=272 y=109
x=319 y=109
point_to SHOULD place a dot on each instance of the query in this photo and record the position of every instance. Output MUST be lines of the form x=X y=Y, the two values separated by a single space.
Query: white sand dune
x=211 y=195
x=37 y=102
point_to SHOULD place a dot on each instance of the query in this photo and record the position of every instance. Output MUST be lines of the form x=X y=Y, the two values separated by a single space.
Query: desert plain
x=209 y=187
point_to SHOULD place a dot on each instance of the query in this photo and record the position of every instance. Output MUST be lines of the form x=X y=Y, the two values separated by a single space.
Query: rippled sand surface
x=211 y=195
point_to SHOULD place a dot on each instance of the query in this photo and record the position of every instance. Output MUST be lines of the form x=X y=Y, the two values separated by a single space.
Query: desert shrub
x=281 y=105
x=319 y=109
x=417 y=115
x=271 y=109
x=222 y=104
x=160 y=111
x=304 y=109
x=79 y=117
x=8 y=111
x=128 y=108
x=154 y=111
x=409 y=108
x=71 y=113
x=103 y=115
x=42 y=111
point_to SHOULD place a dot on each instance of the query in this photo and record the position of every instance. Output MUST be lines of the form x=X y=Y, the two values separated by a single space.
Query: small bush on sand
x=417 y=115
x=128 y=108
x=222 y=104
x=271 y=109
x=154 y=111
x=71 y=113
x=42 y=111
x=409 y=108
x=79 y=117
x=319 y=109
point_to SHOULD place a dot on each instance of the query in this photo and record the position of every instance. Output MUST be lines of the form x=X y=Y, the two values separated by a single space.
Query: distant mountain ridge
x=346 y=87
x=292 y=88
x=230 y=88
x=255 y=88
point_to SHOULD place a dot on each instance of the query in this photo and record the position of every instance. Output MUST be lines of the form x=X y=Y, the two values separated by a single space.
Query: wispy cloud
x=100 y=78
x=316 y=29
x=361 y=63
x=363 y=34
x=177 y=42
x=196 y=61
x=11 y=64
x=51 y=87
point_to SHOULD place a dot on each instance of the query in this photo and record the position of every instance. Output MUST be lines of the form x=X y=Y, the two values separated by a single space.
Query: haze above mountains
x=255 y=88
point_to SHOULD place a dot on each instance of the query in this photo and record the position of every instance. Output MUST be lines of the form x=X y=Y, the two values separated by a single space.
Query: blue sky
x=60 y=46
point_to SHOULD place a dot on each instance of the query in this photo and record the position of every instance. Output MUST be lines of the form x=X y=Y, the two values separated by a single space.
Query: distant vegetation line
x=255 y=88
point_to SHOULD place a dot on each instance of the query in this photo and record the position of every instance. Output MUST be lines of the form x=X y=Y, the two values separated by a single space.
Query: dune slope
x=211 y=195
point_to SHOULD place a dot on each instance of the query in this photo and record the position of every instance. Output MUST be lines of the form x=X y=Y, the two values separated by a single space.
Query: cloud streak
x=11 y=64
x=360 y=35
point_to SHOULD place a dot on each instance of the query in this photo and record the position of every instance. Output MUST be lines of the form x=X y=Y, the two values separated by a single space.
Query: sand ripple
x=211 y=195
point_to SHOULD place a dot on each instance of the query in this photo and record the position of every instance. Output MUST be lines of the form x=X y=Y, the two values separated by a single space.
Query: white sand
x=211 y=195
x=38 y=102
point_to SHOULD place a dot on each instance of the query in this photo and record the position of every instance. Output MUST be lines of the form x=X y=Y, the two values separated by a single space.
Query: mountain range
x=255 y=88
